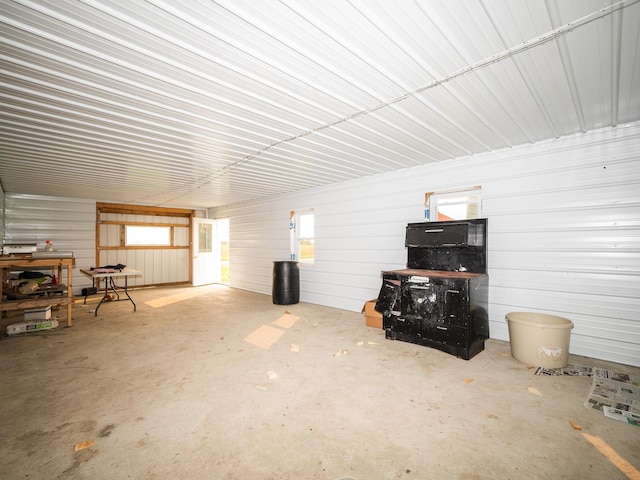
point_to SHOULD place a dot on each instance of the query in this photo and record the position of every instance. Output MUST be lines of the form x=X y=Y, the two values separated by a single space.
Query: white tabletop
x=125 y=272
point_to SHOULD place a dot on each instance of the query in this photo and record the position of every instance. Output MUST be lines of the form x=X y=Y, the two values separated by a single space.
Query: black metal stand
x=109 y=284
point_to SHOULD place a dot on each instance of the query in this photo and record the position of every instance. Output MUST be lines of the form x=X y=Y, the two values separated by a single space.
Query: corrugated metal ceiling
x=205 y=103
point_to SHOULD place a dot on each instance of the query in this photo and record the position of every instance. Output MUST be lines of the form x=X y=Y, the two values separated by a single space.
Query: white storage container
x=43 y=313
x=539 y=339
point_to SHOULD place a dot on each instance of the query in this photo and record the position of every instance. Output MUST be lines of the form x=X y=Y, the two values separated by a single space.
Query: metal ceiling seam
x=71 y=114
x=276 y=160
x=428 y=105
x=91 y=172
x=103 y=100
x=70 y=139
x=276 y=35
x=149 y=73
x=75 y=163
x=616 y=46
x=60 y=138
x=95 y=135
x=42 y=116
x=297 y=176
x=551 y=35
x=635 y=68
x=165 y=35
x=563 y=50
x=393 y=127
x=343 y=153
x=393 y=159
x=508 y=53
x=525 y=76
x=376 y=96
x=315 y=157
x=389 y=125
x=201 y=182
x=170 y=7
x=89 y=179
x=471 y=110
x=317 y=61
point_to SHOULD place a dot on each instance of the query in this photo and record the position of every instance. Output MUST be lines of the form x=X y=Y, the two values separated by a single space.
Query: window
x=205 y=238
x=136 y=235
x=303 y=227
x=223 y=238
x=453 y=205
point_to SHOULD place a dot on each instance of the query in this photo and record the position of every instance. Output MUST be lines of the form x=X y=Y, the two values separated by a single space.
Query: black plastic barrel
x=286 y=282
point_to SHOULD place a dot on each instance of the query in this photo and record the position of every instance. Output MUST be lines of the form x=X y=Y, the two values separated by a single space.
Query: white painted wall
x=1 y=216
x=69 y=223
x=563 y=235
x=159 y=266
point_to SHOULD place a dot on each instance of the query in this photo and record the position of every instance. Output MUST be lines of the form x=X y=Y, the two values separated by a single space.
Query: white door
x=205 y=252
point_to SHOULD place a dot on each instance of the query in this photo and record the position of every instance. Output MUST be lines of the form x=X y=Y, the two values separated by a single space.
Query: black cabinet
x=441 y=299
x=444 y=312
x=444 y=234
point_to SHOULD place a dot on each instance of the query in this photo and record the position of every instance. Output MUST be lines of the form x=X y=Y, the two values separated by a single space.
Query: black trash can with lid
x=286 y=282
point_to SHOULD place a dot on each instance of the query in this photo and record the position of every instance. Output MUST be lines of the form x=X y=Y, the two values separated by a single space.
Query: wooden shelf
x=21 y=262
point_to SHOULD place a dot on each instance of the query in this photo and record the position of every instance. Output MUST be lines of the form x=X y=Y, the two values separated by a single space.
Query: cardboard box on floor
x=372 y=318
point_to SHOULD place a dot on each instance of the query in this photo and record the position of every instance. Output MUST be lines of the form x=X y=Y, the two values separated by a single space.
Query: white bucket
x=539 y=339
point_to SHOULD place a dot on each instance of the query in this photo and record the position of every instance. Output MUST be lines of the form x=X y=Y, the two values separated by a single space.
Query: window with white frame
x=453 y=205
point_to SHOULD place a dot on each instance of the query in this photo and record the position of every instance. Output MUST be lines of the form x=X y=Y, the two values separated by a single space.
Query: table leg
x=126 y=290
x=106 y=293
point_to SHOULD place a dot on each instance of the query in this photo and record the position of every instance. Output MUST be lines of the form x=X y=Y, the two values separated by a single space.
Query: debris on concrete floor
x=535 y=391
x=83 y=445
x=574 y=425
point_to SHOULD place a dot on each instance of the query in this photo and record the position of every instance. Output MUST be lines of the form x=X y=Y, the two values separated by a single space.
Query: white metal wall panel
x=2 y=228
x=564 y=235
x=158 y=265
x=68 y=222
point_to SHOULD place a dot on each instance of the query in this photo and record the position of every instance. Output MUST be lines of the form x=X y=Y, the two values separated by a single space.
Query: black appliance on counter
x=441 y=299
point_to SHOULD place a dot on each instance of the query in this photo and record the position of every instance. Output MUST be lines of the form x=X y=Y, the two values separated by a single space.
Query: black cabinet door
x=389 y=296
x=457 y=304
x=423 y=299
x=440 y=300
x=437 y=235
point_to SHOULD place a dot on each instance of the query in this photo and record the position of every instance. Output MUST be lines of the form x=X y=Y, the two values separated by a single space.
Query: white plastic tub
x=539 y=339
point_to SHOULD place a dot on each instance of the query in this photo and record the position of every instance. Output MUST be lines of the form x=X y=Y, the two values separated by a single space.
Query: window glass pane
x=306 y=225
x=137 y=235
x=307 y=251
x=223 y=237
x=455 y=206
x=306 y=233
x=205 y=238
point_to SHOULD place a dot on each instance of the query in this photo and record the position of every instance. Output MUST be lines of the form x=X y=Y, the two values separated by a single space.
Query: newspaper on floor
x=621 y=415
x=618 y=391
x=570 y=370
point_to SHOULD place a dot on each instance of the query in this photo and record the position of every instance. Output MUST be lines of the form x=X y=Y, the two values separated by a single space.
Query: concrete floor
x=174 y=391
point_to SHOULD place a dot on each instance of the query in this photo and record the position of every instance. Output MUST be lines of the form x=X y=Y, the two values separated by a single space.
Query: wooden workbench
x=20 y=263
